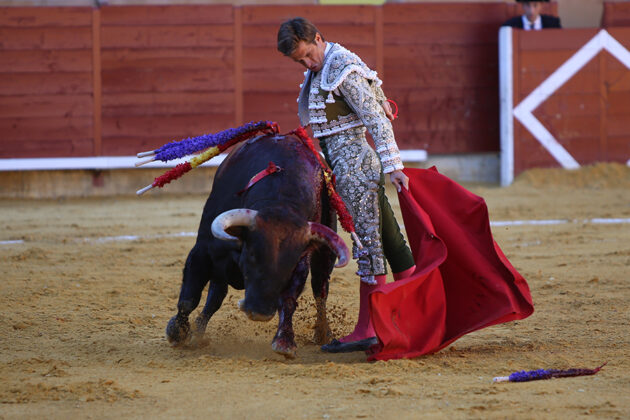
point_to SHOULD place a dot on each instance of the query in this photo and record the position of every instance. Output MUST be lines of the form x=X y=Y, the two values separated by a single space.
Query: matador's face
x=310 y=54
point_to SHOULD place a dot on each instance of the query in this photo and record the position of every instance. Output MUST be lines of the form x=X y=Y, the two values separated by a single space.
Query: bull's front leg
x=322 y=264
x=284 y=341
x=196 y=275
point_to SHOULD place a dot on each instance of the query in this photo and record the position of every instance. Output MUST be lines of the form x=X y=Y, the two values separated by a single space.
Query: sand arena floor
x=84 y=311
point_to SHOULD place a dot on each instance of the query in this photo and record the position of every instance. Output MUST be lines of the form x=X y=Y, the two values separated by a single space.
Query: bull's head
x=271 y=247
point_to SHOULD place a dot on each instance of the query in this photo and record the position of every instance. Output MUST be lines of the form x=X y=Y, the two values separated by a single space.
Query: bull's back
x=297 y=184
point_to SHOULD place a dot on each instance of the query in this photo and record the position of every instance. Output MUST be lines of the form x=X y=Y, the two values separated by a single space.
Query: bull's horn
x=235 y=217
x=328 y=236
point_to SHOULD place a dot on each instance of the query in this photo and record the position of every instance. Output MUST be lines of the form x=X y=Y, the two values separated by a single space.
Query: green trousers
x=395 y=248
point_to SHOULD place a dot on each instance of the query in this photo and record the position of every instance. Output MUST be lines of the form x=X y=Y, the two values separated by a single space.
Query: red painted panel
x=46 y=128
x=275 y=15
x=29 y=17
x=167 y=80
x=167 y=15
x=166 y=36
x=181 y=58
x=56 y=38
x=40 y=61
x=441 y=33
x=45 y=83
x=616 y=14
x=462 y=13
x=203 y=104
x=58 y=106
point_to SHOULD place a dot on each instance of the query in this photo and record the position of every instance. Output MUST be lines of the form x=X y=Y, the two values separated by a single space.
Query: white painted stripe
x=94 y=162
x=17 y=241
x=506 y=87
x=128 y=162
x=608 y=221
x=126 y=238
x=524 y=111
x=528 y=222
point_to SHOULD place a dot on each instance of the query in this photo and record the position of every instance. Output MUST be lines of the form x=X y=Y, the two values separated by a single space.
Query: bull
x=264 y=239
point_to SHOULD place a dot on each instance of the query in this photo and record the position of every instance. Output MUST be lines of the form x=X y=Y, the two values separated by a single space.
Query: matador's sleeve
x=362 y=98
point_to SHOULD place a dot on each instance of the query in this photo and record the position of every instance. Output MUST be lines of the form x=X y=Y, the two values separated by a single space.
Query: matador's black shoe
x=337 y=346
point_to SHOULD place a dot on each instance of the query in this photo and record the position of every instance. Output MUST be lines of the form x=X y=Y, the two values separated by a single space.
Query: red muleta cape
x=463 y=282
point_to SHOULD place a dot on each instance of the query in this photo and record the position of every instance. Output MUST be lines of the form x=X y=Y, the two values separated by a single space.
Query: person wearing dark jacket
x=531 y=19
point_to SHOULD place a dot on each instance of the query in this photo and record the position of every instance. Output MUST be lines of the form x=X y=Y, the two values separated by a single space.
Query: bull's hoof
x=322 y=335
x=285 y=347
x=178 y=331
x=199 y=330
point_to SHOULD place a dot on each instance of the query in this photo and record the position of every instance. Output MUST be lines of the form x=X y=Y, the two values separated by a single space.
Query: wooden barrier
x=616 y=14
x=571 y=98
x=121 y=79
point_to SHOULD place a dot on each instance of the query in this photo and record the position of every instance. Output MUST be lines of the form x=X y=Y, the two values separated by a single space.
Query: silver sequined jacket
x=347 y=76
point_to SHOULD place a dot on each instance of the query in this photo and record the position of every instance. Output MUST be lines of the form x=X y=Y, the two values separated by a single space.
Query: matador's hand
x=399 y=179
x=388 y=110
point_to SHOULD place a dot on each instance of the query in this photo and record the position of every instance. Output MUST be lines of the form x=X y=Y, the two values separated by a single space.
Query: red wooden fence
x=588 y=108
x=616 y=14
x=121 y=79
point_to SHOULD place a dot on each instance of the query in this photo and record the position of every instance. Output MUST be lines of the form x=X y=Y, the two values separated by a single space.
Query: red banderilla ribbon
x=271 y=168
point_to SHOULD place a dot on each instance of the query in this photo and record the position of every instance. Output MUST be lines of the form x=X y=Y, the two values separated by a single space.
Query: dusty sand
x=83 y=318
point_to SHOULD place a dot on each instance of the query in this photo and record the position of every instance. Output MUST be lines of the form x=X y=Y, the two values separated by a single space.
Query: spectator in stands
x=531 y=19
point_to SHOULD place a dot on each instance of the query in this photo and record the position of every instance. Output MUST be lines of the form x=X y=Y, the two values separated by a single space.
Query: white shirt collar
x=328 y=47
x=528 y=26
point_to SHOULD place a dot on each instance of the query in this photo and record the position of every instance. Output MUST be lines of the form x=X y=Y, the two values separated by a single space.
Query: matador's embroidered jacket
x=346 y=94
x=339 y=103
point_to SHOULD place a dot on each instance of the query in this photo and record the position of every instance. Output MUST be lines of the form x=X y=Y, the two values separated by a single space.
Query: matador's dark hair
x=293 y=31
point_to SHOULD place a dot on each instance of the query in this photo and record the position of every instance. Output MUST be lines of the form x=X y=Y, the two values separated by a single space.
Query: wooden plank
x=209 y=58
x=461 y=13
x=618 y=148
x=618 y=125
x=97 y=81
x=410 y=78
x=238 y=66
x=267 y=35
x=167 y=80
x=555 y=39
x=23 y=17
x=166 y=36
x=56 y=38
x=616 y=14
x=45 y=83
x=619 y=103
x=379 y=42
x=38 y=61
x=544 y=60
x=578 y=103
x=272 y=105
x=171 y=127
x=618 y=80
x=43 y=147
x=149 y=15
x=282 y=80
x=442 y=33
x=442 y=55
x=51 y=128
x=58 y=106
x=603 y=102
x=317 y=14
x=174 y=103
x=565 y=127
x=584 y=81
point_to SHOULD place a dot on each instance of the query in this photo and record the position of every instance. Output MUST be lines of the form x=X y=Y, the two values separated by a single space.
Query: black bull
x=264 y=240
